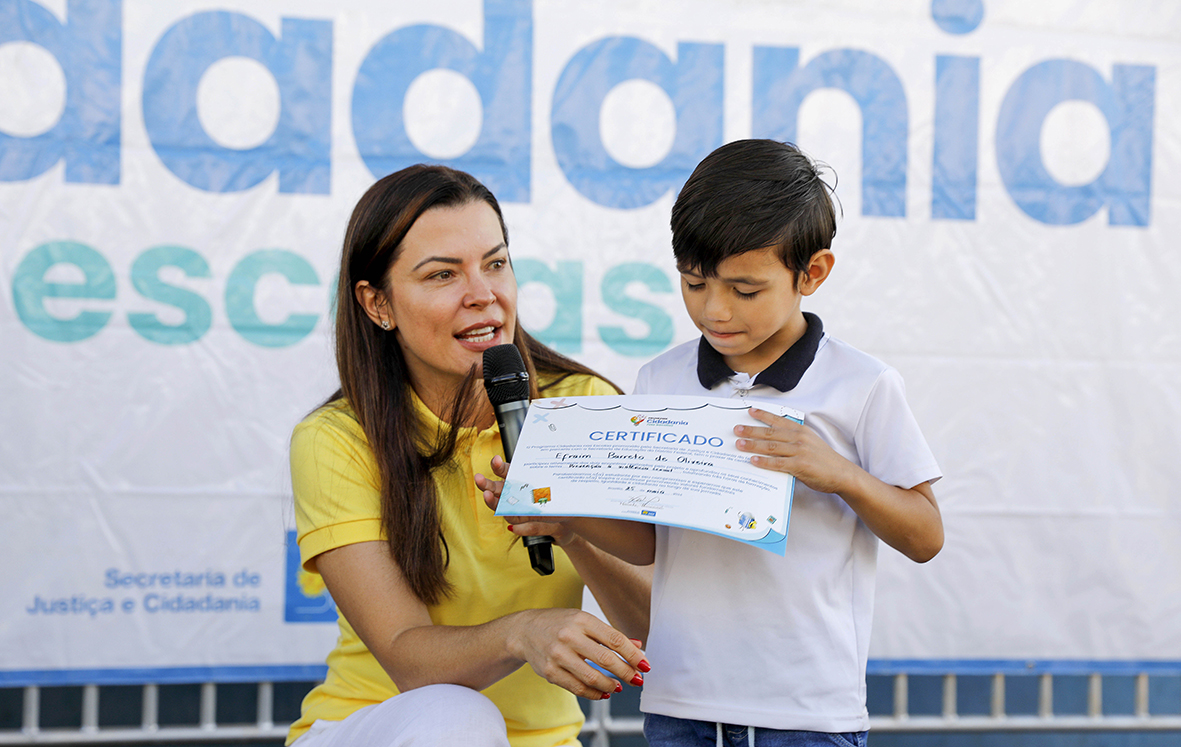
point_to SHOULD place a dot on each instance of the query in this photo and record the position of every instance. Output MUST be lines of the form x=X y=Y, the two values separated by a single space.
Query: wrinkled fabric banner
x=175 y=182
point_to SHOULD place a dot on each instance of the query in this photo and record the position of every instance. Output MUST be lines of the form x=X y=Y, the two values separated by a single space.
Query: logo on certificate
x=541 y=495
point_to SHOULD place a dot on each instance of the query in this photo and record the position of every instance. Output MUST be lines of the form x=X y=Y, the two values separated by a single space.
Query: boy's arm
x=906 y=519
x=632 y=541
x=612 y=557
x=623 y=590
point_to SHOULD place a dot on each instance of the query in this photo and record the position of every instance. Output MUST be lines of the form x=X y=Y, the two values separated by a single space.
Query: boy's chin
x=731 y=345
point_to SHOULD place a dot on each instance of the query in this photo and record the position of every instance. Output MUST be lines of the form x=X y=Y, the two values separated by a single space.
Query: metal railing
x=602 y=723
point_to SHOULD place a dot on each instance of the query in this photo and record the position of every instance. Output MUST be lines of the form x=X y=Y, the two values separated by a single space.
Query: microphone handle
x=541 y=553
x=511 y=417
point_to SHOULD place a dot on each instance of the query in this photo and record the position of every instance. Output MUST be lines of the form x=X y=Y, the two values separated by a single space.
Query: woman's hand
x=558 y=643
x=522 y=526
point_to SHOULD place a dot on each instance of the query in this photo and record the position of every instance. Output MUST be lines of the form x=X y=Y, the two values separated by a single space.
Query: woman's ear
x=817 y=271
x=373 y=302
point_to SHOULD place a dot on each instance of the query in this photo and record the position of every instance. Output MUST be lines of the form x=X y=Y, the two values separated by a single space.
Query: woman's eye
x=498 y=264
x=442 y=275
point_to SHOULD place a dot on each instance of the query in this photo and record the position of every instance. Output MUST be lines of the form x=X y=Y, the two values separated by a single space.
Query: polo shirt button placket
x=742 y=384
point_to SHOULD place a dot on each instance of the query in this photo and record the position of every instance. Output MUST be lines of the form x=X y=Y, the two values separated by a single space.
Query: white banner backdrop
x=175 y=179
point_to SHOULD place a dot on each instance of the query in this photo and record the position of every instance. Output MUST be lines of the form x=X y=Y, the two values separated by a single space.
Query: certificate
x=663 y=459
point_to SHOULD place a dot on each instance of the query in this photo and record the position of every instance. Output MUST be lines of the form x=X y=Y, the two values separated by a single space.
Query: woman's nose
x=479 y=292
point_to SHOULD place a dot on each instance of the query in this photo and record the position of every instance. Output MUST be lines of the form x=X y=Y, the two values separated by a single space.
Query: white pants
x=423 y=717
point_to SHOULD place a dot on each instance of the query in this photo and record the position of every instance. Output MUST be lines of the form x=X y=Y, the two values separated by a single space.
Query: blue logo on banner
x=306 y=598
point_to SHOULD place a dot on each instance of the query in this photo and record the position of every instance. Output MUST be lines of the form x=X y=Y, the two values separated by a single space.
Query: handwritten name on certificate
x=664 y=459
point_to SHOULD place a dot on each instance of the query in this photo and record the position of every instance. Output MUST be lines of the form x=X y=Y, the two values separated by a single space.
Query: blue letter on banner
x=957 y=124
x=301 y=63
x=502 y=74
x=1125 y=185
x=694 y=83
x=780 y=87
x=89 y=48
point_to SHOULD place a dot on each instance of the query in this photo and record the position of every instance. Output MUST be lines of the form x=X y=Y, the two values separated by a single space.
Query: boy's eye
x=746 y=295
x=692 y=286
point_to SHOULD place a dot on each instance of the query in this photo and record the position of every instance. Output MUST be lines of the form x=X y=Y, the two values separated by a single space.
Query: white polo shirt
x=740 y=635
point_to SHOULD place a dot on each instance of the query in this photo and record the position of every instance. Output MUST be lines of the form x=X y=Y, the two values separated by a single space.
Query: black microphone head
x=505 y=376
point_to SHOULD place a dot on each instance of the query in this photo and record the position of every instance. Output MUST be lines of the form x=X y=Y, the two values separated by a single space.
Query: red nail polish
x=644 y=666
x=638 y=680
x=605 y=696
x=618 y=687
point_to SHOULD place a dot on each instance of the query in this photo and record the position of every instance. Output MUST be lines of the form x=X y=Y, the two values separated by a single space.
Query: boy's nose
x=716 y=308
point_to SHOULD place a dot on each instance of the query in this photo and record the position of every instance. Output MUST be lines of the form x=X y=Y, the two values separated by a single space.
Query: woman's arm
x=396 y=627
x=623 y=590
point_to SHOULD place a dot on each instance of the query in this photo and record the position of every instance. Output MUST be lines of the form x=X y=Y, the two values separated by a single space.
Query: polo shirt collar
x=783 y=374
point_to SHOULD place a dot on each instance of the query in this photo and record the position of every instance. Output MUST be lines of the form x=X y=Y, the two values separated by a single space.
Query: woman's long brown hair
x=375 y=382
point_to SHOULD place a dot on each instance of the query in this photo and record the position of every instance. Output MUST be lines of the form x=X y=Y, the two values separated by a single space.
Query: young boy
x=741 y=638
x=749 y=648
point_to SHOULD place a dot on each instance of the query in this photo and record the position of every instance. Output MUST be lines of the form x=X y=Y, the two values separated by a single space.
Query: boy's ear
x=817 y=271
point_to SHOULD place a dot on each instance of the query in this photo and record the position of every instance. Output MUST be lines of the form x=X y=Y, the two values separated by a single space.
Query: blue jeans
x=666 y=731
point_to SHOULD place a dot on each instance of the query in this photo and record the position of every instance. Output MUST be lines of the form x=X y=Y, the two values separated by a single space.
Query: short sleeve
x=889 y=441
x=335 y=483
x=643 y=381
x=578 y=385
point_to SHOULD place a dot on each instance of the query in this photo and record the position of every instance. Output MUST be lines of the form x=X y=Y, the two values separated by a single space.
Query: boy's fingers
x=774 y=422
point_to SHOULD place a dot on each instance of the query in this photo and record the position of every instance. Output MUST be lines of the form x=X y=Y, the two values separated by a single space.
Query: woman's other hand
x=522 y=526
x=558 y=643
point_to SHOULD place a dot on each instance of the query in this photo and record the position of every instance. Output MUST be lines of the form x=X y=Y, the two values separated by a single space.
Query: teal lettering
x=615 y=286
x=240 y=306
x=564 y=332
x=145 y=276
x=30 y=289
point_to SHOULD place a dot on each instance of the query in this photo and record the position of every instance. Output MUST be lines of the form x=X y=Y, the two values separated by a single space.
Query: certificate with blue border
x=663 y=459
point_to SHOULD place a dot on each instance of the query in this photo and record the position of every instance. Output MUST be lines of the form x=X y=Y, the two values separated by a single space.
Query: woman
x=436 y=603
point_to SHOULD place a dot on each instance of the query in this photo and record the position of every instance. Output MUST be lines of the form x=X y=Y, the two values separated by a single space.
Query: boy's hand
x=522 y=526
x=906 y=519
x=787 y=446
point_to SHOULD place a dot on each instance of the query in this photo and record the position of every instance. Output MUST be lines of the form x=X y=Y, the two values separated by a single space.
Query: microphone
x=507 y=384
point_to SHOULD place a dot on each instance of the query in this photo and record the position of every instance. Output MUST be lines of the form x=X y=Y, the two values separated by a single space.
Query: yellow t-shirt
x=336 y=487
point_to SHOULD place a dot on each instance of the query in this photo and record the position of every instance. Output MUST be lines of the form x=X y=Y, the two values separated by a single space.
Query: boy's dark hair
x=751 y=194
